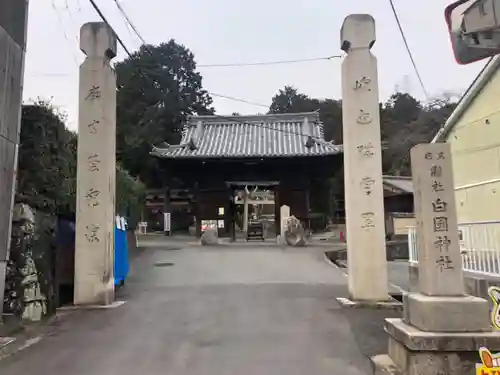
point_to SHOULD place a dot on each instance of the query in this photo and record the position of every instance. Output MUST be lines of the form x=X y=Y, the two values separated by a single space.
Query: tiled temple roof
x=281 y=135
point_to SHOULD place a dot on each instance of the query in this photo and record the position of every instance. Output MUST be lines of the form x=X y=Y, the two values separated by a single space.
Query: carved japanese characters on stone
x=442 y=243
x=364 y=118
x=367 y=184
x=368 y=220
x=439 y=205
x=437 y=186
x=93 y=126
x=436 y=171
x=444 y=263
x=440 y=224
x=92 y=197
x=94 y=93
x=366 y=150
x=93 y=162
x=92 y=233
x=362 y=82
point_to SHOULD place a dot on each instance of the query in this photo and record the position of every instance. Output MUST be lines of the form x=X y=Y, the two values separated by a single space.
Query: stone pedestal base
x=446 y=314
x=415 y=352
x=391 y=304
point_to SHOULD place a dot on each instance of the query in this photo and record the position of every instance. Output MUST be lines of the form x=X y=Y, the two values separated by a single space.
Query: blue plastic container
x=121 y=266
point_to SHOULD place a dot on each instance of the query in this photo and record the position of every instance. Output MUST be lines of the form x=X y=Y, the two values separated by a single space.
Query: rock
x=295 y=234
x=210 y=237
x=281 y=240
x=23 y=212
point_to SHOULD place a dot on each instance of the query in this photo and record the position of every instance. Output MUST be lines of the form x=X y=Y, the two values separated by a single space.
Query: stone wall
x=30 y=280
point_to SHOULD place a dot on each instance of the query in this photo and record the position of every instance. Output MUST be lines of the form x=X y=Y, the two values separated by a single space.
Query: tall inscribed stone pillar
x=95 y=216
x=367 y=265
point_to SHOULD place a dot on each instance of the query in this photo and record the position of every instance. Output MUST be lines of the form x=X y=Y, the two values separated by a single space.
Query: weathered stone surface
x=284 y=216
x=210 y=237
x=440 y=262
x=415 y=339
x=23 y=212
x=363 y=162
x=390 y=304
x=295 y=234
x=446 y=314
x=384 y=365
x=417 y=352
x=96 y=174
x=474 y=285
x=281 y=240
x=431 y=363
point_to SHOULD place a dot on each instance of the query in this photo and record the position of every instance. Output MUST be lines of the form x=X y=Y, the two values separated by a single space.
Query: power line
x=129 y=21
x=96 y=8
x=409 y=50
x=61 y=23
x=260 y=63
x=238 y=100
x=269 y=62
x=158 y=86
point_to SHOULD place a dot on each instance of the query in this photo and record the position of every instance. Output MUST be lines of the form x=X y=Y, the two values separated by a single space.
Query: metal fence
x=479 y=246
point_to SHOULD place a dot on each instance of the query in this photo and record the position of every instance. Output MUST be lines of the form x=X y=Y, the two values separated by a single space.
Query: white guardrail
x=479 y=246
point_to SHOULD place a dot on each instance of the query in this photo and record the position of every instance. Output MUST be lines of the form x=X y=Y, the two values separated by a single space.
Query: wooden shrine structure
x=220 y=156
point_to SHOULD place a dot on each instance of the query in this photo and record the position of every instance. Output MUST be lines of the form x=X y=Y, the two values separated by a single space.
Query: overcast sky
x=231 y=31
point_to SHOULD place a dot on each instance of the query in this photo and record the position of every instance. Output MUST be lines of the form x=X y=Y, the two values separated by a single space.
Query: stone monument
x=284 y=216
x=95 y=216
x=442 y=328
x=367 y=265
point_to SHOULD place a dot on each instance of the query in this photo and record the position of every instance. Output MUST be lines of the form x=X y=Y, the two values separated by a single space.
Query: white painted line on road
x=30 y=342
x=114 y=305
x=4 y=341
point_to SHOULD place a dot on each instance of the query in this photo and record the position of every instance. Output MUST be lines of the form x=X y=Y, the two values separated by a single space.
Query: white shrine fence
x=479 y=246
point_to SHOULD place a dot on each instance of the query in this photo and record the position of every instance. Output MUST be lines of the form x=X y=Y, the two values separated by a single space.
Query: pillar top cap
x=97 y=39
x=358 y=31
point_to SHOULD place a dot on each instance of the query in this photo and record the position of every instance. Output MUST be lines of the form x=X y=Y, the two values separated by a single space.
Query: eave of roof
x=260 y=136
x=466 y=100
x=402 y=184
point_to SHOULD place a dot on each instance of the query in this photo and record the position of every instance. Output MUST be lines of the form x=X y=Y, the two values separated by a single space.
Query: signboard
x=490 y=363
x=494 y=293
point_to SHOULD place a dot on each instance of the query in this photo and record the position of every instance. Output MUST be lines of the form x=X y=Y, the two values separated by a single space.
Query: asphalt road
x=398 y=274
x=216 y=311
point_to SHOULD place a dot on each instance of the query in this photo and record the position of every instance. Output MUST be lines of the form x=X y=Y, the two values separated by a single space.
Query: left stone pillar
x=96 y=174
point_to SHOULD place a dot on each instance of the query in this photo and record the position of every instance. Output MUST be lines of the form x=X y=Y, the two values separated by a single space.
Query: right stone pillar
x=364 y=201
x=442 y=328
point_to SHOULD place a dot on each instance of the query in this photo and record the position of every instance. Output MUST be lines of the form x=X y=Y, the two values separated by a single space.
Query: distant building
x=398 y=205
x=219 y=157
x=473 y=131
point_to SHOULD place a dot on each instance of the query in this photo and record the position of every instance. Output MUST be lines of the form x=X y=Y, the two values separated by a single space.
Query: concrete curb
x=329 y=262
x=397 y=288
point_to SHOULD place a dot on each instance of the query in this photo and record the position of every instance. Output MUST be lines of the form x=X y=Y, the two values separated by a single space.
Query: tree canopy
x=46 y=177
x=405 y=122
x=158 y=88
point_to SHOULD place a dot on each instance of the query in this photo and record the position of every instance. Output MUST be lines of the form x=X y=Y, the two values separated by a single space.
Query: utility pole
x=13 y=35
